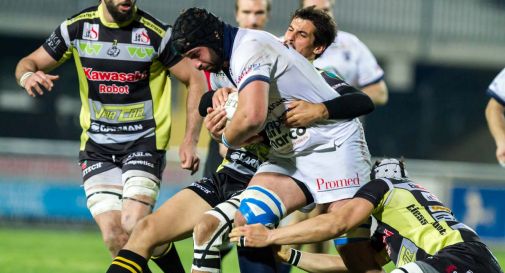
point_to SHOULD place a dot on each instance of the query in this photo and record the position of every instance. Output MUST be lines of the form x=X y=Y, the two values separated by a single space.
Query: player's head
x=389 y=168
x=310 y=32
x=198 y=35
x=324 y=5
x=120 y=10
x=252 y=13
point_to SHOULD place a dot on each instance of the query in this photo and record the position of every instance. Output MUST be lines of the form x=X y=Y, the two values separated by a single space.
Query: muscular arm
x=196 y=84
x=378 y=92
x=250 y=115
x=496 y=123
x=39 y=62
x=320 y=228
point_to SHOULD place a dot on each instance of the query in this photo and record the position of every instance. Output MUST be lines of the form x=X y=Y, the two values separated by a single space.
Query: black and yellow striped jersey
x=123 y=79
x=412 y=222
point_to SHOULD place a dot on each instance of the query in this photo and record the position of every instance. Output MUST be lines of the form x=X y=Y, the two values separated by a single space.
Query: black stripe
x=208 y=252
x=105 y=192
x=140 y=201
x=403 y=269
x=297 y=258
x=231 y=203
x=292 y=255
x=228 y=221
x=210 y=263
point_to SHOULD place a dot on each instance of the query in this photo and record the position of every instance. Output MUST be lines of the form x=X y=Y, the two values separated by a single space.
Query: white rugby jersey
x=258 y=55
x=350 y=58
x=497 y=88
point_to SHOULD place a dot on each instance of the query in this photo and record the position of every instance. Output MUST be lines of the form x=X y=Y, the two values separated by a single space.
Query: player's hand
x=215 y=121
x=256 y=235
x=188 y=156
x=283 y=253
x=500 y=155
x=39 y=79
x=303 y=114
x=220 y=96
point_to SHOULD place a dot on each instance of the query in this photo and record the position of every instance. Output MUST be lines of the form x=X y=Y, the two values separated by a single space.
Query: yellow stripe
x=85 y=115
x=164 y=252
x=139 y=269
x=161 y=94
x=152 y=26
x=125 y=266
x=83 y=16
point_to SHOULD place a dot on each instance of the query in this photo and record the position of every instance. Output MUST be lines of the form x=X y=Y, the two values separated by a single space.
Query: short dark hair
x=269 y=5
x=326 y=28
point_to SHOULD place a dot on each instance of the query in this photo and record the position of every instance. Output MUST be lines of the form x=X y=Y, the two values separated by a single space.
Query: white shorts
x=330 y=175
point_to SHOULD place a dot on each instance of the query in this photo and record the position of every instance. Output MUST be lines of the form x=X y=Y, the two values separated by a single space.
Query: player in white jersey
x=325 y=163
x=350 y=58
x=494 y=114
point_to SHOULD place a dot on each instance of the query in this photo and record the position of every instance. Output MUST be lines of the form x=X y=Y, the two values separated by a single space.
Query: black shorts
x=96 y=163
x=464 y=257
x=220 y=186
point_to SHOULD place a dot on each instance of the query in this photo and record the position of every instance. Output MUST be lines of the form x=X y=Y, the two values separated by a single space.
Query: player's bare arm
x=378 y=92
x=250 y=115
x=196 y=84
x=31 y=72
x=496 y=123
x=320 y=228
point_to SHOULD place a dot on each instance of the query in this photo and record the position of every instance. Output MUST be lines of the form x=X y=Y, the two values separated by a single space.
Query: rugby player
x=231 y=177
x=123 y=60
x=494 y=115
x=415 y=230
x=325 y=163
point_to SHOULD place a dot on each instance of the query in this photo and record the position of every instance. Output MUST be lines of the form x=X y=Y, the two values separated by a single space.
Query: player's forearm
x=378 y=92
x=196 y=88
x=317 y=229
x=241 y=128
x=321 y=263
x=496 y=121
x=23 y=66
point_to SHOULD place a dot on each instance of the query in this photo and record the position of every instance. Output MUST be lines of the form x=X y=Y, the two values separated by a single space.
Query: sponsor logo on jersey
x=245 y=159
x=140 y=36
x=89 y=48
x=140 y=52
x=90 y=31
x=113 y=89
x=100 y=128
x=53 y=41
x=419 y=216
x=406 y=256
x=439 y=208
x=115 y=76
x=335 y=184
x=429 y=196
x=247 y=70
x=113 y=51
x=91 y=168
x=121 y=113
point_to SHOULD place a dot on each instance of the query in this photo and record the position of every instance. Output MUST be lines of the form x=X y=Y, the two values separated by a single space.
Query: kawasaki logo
x=140 y=52
x=114 y=76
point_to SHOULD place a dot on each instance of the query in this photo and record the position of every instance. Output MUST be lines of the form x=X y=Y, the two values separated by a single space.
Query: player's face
x=324 y=5
x=204 y=58
x=252 y=14
x=120 y=10
x=300 y=35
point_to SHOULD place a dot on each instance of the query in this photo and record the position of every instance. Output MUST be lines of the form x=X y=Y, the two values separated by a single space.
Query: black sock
x=169 y=261
x=256 y=260
x=127 y=262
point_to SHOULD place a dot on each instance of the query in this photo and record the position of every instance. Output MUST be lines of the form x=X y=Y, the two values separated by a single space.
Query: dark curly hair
x=326 y=28
x=197 y=27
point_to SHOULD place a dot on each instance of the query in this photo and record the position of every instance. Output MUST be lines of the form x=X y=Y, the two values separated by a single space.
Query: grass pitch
x=30 y=250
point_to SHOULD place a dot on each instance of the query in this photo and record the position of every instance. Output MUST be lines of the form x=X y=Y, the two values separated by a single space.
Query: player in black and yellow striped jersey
x=124 y=61
x=415 y=230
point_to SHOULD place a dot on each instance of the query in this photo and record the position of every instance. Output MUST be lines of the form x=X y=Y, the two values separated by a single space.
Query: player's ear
x=318 y=50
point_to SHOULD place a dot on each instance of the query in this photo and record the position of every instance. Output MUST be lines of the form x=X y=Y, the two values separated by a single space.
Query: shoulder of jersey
x=82 y=13
x=347 y=37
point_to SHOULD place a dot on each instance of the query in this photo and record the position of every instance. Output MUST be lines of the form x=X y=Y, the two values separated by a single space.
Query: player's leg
x=269 y=197
x=103 y=189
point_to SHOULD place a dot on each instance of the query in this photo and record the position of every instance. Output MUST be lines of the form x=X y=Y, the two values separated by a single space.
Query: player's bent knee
x=102 y=199
x=141 y=186
x=205 y=228
x=260 y=205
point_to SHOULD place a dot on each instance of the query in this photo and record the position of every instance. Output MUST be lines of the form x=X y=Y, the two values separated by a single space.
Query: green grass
x=52 y=251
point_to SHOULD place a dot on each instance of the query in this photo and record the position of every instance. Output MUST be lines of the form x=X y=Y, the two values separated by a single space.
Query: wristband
x=225 y=142
x=294 y=256
x=23 y=78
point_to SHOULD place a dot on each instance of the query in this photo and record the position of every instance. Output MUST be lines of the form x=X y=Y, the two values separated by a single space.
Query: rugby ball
x=231 y=104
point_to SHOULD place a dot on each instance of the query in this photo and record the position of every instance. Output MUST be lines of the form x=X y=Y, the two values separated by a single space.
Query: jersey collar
x=115 y=25
x=229 y=34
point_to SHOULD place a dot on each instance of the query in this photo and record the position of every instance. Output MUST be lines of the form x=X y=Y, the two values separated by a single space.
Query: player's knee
x=102 y=199
x=260 y=205
x=145 y=231
x=205 y=228
x=138 y=186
